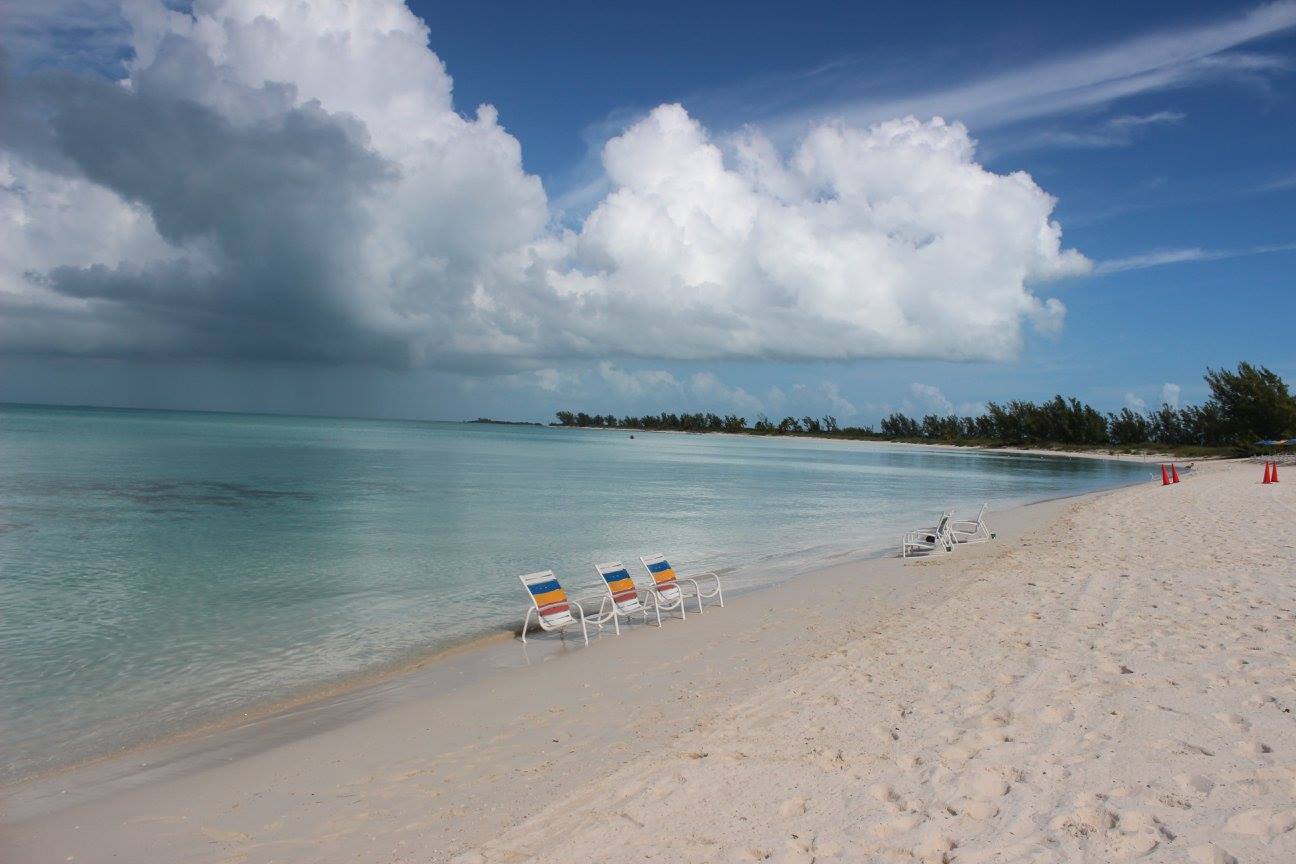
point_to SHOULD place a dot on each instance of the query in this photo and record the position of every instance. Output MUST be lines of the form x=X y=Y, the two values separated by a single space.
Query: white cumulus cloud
x=930 y=399
x=710 y=391
x=638 y=384
x=292 y=181
x=1170 y=394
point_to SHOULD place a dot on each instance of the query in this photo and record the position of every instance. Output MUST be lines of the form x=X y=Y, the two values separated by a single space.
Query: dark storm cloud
x=271 y=209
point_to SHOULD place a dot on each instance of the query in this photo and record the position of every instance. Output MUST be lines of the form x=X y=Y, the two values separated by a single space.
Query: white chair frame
x=692 y=579
x=972 y=530
x=927 y=541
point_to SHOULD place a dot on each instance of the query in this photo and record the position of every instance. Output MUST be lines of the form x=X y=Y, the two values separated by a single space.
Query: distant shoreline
x=1076 y=451
x=489 y=422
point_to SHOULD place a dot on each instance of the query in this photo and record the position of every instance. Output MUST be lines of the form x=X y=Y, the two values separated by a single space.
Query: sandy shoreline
x=791 y=694
x=480 y=657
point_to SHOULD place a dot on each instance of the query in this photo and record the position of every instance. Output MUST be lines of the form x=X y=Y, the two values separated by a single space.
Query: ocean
x=163 y=569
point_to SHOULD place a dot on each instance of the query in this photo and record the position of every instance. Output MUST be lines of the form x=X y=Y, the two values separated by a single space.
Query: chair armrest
x=693 y=577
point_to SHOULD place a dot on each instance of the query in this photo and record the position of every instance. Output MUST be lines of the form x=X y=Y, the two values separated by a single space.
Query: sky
x=446 y=210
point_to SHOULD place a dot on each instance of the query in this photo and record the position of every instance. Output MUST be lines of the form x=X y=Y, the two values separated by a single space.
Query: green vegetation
x=1246 y=407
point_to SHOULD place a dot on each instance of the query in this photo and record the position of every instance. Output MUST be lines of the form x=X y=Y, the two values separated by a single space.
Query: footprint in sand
x=468 y=858
x=1262 y=823
x=1090 y=817
x=986 y=786
x=1198 y=783
x=1055 y=714
x=1209 y=853
x=1237 y=721
x=935 y=847
x=899 y=825
x=1181 y=748
x=1131 y=846
x=1252 y=748
x=666 y=788
x=995 y=718
x=1175 y=800
x=981 y=811
x=792 y=807
x=222 y=836
x=884 y=733
x=882 y=793
x=1138 y=820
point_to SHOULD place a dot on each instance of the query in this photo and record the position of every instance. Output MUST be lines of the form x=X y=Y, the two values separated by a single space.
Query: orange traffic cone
x=1174 y=473
x=1266 y=481
x=1165 y=478
x=1274 y=477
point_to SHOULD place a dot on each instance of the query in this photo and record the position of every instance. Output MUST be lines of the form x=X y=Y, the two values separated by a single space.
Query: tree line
x=1247 y=405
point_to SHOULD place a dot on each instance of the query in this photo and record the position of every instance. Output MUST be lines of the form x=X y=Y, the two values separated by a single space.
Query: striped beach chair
x=552 y=608
x=623 y=598
x=668 y=588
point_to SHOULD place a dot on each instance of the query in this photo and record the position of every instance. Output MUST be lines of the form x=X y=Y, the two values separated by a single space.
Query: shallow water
x=158 y=569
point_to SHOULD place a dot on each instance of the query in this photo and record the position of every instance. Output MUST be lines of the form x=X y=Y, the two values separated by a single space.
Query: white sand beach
x=1112 y=679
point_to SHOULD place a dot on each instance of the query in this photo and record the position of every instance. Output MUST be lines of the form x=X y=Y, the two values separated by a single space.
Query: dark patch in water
x=166 y=495
x=163 y=495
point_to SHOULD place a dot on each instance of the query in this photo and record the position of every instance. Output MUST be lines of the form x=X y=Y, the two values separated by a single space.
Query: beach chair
x=668 y=590
x=552 y=608
x=971 y=530
x=623 y=599
x=928 y=541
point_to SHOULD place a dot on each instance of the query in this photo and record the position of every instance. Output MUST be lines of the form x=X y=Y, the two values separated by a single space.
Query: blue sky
x=1218 y=175
x=1164 y=132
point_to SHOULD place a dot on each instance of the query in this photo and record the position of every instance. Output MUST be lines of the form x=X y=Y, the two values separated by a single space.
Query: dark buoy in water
x=631 y=437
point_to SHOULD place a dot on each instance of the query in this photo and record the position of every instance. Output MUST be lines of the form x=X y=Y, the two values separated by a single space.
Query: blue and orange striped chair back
x=620 y=585
x=663 y=574
x=549 y=597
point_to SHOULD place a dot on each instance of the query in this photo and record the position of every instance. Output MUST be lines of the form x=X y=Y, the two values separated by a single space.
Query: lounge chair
x=623 y=598
x=928 y=541
x=667 y=588
x=552 y=608
x=972 y=530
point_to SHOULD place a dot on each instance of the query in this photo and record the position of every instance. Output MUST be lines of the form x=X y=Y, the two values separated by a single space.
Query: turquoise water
x=158 y=569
